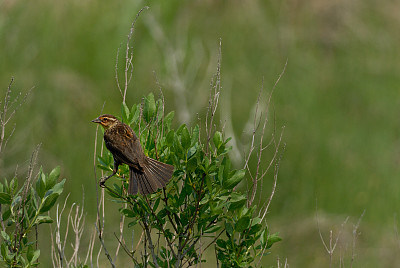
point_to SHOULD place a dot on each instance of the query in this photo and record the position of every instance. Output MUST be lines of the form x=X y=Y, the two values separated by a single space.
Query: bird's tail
x=154 y=175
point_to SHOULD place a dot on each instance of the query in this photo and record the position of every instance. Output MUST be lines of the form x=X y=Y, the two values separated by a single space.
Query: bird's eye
x=104 y=119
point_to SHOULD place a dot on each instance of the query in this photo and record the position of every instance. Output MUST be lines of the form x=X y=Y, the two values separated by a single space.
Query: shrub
x=201 y=202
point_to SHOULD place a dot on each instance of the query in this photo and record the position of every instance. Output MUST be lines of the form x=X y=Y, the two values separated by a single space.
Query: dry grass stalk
x=8 y=109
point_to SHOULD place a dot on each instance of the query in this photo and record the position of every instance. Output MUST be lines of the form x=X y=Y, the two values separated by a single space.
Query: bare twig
x=285 y=264
x=332 y=241
x=8 y=108
x=89 y=253
x=355 y=235
x=215 y=90
x=260 y=146
x=396 y=231
x=124 y=247
x=104 y=247
x=121 y=231
x=57 y=246
x=19 y=231
x=77 y=223
x=252 y=147
x=149 y=239
x=277 y=164
x=116 y=71
x=128 y=70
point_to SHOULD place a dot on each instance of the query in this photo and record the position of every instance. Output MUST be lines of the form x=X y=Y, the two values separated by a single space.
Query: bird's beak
x=97 y=120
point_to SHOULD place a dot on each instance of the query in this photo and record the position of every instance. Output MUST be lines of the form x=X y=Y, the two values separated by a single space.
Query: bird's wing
x=122 y=142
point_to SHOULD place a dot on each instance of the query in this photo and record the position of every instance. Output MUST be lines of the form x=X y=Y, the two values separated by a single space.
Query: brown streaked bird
x=145 y=173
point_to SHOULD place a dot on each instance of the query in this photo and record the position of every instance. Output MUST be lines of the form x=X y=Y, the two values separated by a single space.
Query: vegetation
x=200 y=207
x=338 y=100
x=23 y=210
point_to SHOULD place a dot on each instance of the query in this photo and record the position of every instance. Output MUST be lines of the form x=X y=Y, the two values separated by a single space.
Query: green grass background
x=339 y=99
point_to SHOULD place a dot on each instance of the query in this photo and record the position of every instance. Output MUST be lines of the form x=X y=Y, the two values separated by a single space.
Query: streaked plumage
x=145 y=173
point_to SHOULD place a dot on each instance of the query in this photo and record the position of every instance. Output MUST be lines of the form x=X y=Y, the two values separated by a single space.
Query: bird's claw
x=102 y=183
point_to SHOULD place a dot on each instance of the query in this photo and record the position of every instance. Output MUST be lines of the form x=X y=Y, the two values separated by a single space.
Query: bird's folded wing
x=125 y=146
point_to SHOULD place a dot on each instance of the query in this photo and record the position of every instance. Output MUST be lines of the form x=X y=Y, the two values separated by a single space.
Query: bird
x=146 y=174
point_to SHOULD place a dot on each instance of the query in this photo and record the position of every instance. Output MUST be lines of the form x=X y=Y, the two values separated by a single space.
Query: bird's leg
x=103 y=180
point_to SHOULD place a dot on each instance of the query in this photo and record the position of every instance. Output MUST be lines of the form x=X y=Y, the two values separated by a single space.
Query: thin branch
x=121 y=230
x=151 y=246
x=58 y=244
x=19 y=232
x=274 y=184
x=104 y=247
x=7 y=112
x=116 y=71
x=332 y=242
x=260 y=148
x=77 y=223
x=213 y=99
x=355 y=235
x=129 y=56
x=124 y=247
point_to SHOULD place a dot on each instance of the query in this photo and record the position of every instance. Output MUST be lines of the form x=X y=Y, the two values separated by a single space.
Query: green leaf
x=237 y=201
x=43 y=219
x=221 y=243
x=212 y=229
x=162 y=213
x=170 y=138
x=132 y=223
x=5 y=198
x=195 y=134
x=53 y=177
x=5 y=253
x=149 y=107
x=225 y=168
x=209 y=183
x=58 y=188
x=178 y=147
x=192 y=160
x=41 y=184
x=6 y=214
x=32 y=255
x=128 y=213
x=235 y=179
x=255 y=228
x=126 y=115
x=156 y=204
x=135 y=113
x=242 y=224
x=14 y=185
x=16 y=201
x=272 y=239
x=217 y=139
x=36 y=255
x=229 y=228
x=48 y=202
x=104 y=161
x=104 y=168
x=264 y=236
x=191 y=152
x=185 y=137
x=168 y=119
x=5 y=236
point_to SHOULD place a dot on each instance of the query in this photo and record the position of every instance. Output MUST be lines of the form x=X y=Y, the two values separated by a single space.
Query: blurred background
x=339 y=100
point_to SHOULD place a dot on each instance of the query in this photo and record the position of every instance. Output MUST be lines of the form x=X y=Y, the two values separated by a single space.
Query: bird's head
x=106 y=120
